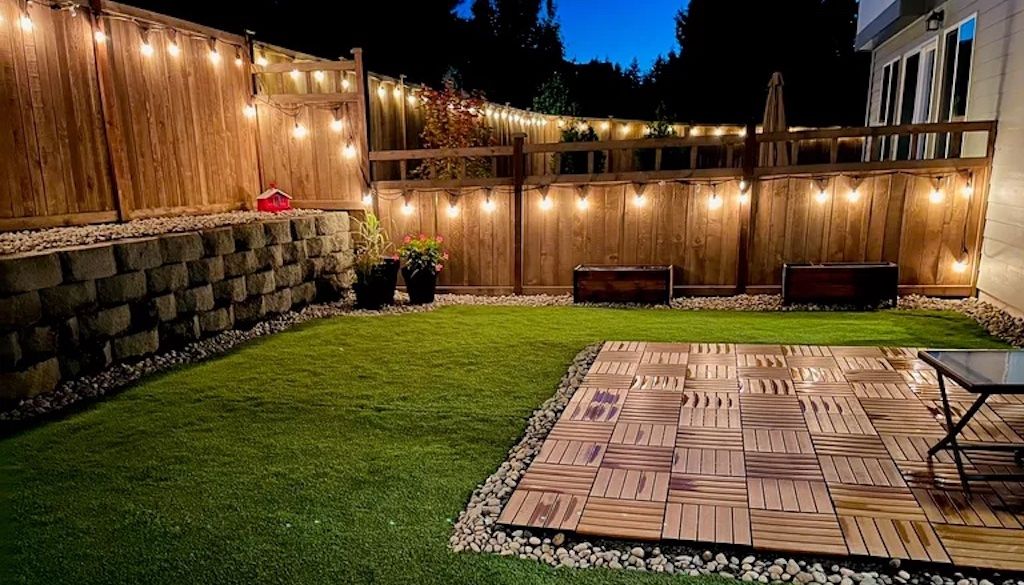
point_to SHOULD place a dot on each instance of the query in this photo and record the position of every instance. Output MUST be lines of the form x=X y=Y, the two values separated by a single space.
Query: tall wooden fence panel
x=53 y=159
x=179 y=134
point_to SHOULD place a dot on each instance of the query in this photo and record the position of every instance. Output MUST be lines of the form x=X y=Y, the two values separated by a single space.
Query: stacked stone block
x=76 y=311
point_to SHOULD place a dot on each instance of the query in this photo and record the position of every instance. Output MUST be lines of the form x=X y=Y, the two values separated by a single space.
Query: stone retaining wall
x=66 y=313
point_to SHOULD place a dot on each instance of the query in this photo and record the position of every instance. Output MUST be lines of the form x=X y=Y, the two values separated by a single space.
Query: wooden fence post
x=517 y=194
x=362 y=106
x=750 y=154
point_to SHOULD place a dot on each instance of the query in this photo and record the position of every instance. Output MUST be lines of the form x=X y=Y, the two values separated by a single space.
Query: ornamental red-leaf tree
x=453 y=119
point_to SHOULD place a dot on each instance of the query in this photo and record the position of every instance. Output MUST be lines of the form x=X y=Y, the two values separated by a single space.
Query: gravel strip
x=476 y=530
x=66 y=237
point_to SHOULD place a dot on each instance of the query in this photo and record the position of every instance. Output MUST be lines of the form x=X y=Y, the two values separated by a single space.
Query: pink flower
x=440 y=239
x=423 y=236
x=407 y=239
x=445 y=255
x=439 y=267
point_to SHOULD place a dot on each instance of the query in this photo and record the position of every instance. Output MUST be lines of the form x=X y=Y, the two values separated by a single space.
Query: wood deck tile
x=710 y=438
x=707 y=490
x=561 y=452
x=638 y=457
x=617 y=518
x=803 y=449
x=596 y=404
x=648 y=434
x=707 y=523
x=543 y=510
x=701 y=461
x=631 y=484
x=994 y=548
x=797 y=532
x=876 y=502
x=558 y=479
x=885 y=537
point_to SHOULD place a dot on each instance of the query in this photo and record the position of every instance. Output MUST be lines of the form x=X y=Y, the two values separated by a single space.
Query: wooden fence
x=725 y=229
x=112 y=112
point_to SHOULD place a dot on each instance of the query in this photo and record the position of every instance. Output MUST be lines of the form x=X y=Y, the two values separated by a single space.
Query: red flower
x=423 y=236
x=440 y=239
x=407 y=239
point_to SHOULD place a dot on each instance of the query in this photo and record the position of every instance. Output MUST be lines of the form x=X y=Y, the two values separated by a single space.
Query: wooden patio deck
x=808 y=449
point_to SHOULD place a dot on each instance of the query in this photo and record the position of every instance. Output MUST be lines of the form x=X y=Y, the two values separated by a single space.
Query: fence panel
x=54 y=167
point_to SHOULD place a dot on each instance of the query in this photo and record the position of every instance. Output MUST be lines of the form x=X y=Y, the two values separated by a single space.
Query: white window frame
x=956 y=64
x=919 y=50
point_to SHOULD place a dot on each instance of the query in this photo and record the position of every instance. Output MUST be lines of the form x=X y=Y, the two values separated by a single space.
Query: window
x=887 y=106
x=958 y=45
x=916 y=97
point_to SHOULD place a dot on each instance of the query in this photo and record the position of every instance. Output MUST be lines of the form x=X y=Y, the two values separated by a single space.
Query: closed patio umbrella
x=774 y=153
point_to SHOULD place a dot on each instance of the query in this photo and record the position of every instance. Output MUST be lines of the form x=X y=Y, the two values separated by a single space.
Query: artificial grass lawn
x=339 y=451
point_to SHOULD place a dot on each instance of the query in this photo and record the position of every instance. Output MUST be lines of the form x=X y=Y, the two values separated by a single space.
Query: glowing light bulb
x=262 y=61
x=743 y=132
x=368 y=199
x=604 y=125
x=936 y=196
x=407 y=208
x=337 y=125
x=299 y=131
x=349 y=151
x=453 y=210
x=582 y=203
x=853 y=196
x=173 y=49
x=714 y=202
x=821 y=196
x=214 y=56
x=743 y=185
x=238 y=61
x=294 y=73
x=719 y=131
x=397 y=92
x=146 y=49
x=968 y=190
x=960 y=265
x=639 y=200
x=489 y=205
x=25 y=22
x=546 y=203
x=345 y=83
x=381 y=92
x=411 y=99
x=318 y=76
x=249 y=111
x=100 y=36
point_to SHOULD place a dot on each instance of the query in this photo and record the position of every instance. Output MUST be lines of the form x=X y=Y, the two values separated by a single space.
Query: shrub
x=453 y=119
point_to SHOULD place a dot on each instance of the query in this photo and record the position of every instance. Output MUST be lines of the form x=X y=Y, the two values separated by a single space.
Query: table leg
x=952 y=431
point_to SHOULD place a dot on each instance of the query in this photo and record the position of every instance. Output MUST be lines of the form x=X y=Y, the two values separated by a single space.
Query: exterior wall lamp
x=934 y=21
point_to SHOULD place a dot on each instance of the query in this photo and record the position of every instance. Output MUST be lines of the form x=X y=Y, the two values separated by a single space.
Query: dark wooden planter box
x=622 y=284
x=848 y=283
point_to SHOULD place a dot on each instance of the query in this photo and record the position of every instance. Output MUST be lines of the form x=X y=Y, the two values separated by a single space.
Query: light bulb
x=604 y=125
x=368 y=199
x=249 y=110
x=381 y=92
x=146 y=49
x=318 y=76
x=489 y=205
x=337 y=125
x=582 y=203
x=968 y=190
x=262 y=61
x=294 y=73
x=397 y=92
x=714 y=202
x=344 y=83
x=407 y=208
x=821 y=196
x=960 y=265
x=453 y=210
x=349 y=151
x=936 y=196
x=173 y=49
x=214 y=56
x=743 y=185
x=639 y=200
x=546 y=203
x=412 y=99
x=25 y=22
x=238 y=60
x=100 y=36
x=719 y=131
x=744 y=198
x=299 y=131
x=853 y=196
x=743 y=132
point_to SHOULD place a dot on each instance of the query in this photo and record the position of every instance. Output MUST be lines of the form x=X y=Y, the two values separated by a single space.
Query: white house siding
x=996 y=92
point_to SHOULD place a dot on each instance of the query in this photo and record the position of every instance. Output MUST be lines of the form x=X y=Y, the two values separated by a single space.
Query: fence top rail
x=304 y=66
x=860 y=132
x=141 y=14
x=633 y=144
x=432 y=153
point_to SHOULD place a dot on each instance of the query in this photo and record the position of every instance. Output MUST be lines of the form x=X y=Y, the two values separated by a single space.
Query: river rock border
x=476 y=530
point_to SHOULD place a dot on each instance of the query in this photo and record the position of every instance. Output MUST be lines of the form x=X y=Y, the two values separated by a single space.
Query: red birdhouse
x=273 y=200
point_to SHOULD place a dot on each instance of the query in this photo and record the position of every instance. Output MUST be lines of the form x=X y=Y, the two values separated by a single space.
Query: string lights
x=453 y=207
x=172 y=45
x=488 y=204
x=368 y=198
x=299 y=131
x=249 y=111
x=349 y=151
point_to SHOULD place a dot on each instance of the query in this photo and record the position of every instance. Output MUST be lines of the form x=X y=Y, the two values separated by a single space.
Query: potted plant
x=376 y=270
x=422 y=259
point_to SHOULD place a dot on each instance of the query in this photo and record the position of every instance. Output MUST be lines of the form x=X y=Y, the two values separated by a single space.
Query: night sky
x=616 y=30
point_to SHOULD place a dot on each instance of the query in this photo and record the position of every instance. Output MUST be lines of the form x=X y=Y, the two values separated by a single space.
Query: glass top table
x=983 y=373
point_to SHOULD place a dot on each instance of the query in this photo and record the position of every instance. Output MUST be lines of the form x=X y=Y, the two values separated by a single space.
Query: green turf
x=339 y=451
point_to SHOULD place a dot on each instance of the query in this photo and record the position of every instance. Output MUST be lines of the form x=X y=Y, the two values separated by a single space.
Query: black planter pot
x=376 y=288
x=420 y=285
